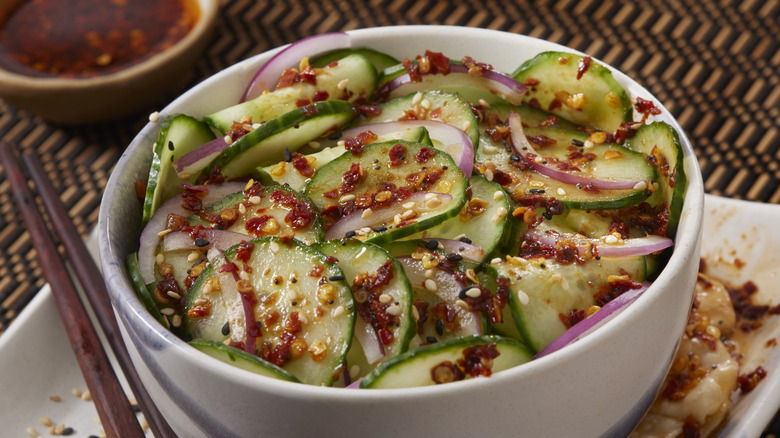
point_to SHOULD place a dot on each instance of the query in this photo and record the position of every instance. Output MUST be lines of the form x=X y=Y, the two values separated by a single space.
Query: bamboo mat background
x=714 y=64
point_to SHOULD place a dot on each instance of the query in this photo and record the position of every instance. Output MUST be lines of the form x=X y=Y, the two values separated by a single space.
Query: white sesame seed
x=488 y=149
x=385 y=298
x=425 y=103
x=428 y=273
x=314 y=144
x=408 y=205
x=489 y=175
x=292 y=294
x=32 y=432
x=474 y=292
x=167 y=311
x=610 y=239
x=274 y=247
x=243 y=275
x=367 y=213
x=523 y=297
x=154 y=117
x=242 y=208
x=641 y=185
x=564 y=283
x=496 y=261
x=162 y=233
x=433 y=203
x=417 y=98
x=256 y=125
x=430 y=195
x=407 y=214
x=561 y=192
x=588 y=144
x=484 y=103
x=228 y=140
x=500 y=214
x=338 y=311
x=364 y=230
x=354 y=371
x=207 y=289
x=176 y=321
x=200 y=301
x=430 y=285
x=194 y=255
x=254 y=200
x=76 y=392
x=466 y=125
x=342 y=85
x=415 y=313
x=394 y=310
x=462 y=304
x=498 y=194
x=346 y=198
x=159 y=258
x=173 y=295
x=86 y=395
x=397 y=219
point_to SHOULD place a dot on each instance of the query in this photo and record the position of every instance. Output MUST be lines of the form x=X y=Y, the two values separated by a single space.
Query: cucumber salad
x=362 y=221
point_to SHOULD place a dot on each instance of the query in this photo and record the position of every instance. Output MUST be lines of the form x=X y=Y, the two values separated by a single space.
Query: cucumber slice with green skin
x=498 y=159
x=530 y=116
x=266 y=144
x=434 y=363
x=140 y=289
x=384 y=310
x=378 y=59
x=485 y=219
x=285 y=172
x=542 y=291
x=506 y=325
x=242 y=359
x=431 y=105
x=178 y=135
x=272 y=211
x=560 y=83
x=358 y=72
x=660 y=143
x=384 y=177
x=437 y=282
x=209 y=318
x=299 y=300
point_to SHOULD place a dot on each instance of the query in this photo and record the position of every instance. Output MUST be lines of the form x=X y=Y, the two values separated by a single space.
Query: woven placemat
x=713 y=64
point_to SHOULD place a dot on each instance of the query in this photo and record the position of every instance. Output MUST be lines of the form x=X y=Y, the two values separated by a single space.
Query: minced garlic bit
x=154 y=117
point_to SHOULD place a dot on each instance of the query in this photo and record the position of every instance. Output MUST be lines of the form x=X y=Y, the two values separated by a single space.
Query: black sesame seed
x=465 y=240
x=462 y=294
x=536 y=191
x=379 y=229
x=335 y=136
x=377 y=167
x=201 y=242
x=136 y=408
x=543 y=266
x=431 y=339
x=294 y=303
x=293 y=280
x=445 y=167
x=287 y=155
x=439 y=327
x=432 y=244
x=577 y=143
x=67 y=431
x=336 y=278
x=598 y=257
x=454 y=257
x=547 y=215
x=514 y=157
x=226 y=329
x=350 y=233
x=186 y=337
x=170 y=145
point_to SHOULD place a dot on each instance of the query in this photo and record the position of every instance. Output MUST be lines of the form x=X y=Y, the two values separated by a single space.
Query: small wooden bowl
x=71 y=101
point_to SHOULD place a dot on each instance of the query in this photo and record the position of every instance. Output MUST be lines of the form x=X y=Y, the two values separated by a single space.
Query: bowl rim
x=686 y=246
x=44 y=84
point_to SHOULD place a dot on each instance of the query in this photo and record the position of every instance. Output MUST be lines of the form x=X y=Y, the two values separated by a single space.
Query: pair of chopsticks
x=116 y=414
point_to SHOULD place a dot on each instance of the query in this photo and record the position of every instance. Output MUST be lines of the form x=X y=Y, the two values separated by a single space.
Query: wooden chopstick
x=113 y=407
x=95 y=290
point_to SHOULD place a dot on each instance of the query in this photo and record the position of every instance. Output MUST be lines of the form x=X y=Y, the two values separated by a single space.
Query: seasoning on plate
x=86 y=38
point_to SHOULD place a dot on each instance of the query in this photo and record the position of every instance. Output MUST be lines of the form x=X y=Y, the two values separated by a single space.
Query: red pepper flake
x=646 y=108
x=244 y=251
x=301 y=164
x=412 y=69
x=351 y=178
x=255 y=224
x=397 y=154
x=317 y=271
x=439 y=63
x=691 y=427
x=748 y=382
x=613 y=290
x=424 y=155
x=582 y=66
x=310 y=111
x=355 y=144
x=541 y=140
x=531 y=82
x=372 y=309
x=302 y=102
x=191 y=197
x=476 y=68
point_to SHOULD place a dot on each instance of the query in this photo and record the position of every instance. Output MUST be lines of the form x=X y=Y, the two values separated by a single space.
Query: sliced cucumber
x=485 y=219
x=379 y=60
x=431 y=105
x=560 y=83
x=531 y=117
x=178 y=135
x=272 y=211
x=436 y=363
x=285 y=172
x=242 y=359
x=384 y=307
x=266 y=144
x=384 y=177
x=661 y=144
x=353 y=77
x=543 y=290
x=498 y=159
x=297 y=297
x=140 y=289
x=210 y=319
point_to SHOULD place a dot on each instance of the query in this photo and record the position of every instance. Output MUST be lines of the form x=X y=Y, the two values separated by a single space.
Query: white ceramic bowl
x=598 y=386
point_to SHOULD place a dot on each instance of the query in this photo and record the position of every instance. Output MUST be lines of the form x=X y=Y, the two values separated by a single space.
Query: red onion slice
x=604 y=247
x=196 y=160
x=454 y=141
x=356 y=221
x=523 y=148
x=466 y=250
x=219 y=239
x=496 y=82
x=583 y=327
x=369 y=341
x=267 y=76
x=157 y=223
